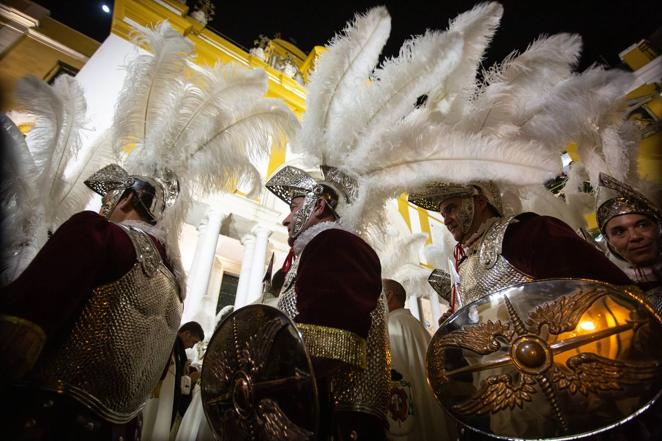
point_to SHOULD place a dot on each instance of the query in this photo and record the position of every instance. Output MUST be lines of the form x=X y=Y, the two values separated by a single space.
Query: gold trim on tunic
x=335 y=344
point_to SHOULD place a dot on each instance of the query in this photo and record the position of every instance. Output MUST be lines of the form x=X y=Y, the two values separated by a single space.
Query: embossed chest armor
x=355 y=390
x=117 y=348
x=486 y=270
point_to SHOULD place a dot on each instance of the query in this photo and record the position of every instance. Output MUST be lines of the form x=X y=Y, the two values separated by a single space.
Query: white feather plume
x=513 y=91
x=400 y=261
x=207 y=125
x=18 y=199
x=223 y=125
x=142 y=100
x=583 y=105
x=77 y=195
x=54 y=141
x=423 y=63
x=350 y=58
x=476 y=27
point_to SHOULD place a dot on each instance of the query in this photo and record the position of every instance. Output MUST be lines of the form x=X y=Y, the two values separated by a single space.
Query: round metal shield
x=555 y=359
x=257 y=381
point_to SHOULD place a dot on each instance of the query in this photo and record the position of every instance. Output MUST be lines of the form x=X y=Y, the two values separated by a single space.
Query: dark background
x=607 y=26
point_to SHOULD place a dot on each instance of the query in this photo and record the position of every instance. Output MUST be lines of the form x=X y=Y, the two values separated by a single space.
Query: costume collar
x=173 y=256
x=311 y=232
x=640 y=274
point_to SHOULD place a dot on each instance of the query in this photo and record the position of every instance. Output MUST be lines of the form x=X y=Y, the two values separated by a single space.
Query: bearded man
x=494 y=252
x=332 y=292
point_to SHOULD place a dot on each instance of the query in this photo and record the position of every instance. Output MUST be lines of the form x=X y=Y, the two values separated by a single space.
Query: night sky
x=607 y=26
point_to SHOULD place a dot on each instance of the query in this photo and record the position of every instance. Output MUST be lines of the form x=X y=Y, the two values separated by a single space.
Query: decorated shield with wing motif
x=555 y=359
x=257 y=380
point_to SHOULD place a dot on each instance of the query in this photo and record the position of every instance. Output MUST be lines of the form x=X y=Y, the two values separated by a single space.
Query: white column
x=436 y=310
x=412 y=305
x=248 y=241
x=259 y=262
x=198 y=277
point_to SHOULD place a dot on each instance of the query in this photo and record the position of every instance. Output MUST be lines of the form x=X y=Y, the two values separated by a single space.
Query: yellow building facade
x=32 y=43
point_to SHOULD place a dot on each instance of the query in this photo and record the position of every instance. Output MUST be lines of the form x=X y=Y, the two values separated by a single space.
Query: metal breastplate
x=287 y=300
x=486 y=270
x=355 y=390
x=117 y=349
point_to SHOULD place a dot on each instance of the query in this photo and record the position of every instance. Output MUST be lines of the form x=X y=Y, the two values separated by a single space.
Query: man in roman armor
x=109 y=307
x=332 y=292
x=494 y=251
x=632 y=227
x=88 y=327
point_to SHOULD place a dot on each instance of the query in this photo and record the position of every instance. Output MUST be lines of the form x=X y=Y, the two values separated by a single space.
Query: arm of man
x=85 y=252
x=545 y=247
x=338 y=286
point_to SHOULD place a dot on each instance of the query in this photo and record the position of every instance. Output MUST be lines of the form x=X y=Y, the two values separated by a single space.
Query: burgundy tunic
x=545 y=247
x=338 y=282
x=87 y=251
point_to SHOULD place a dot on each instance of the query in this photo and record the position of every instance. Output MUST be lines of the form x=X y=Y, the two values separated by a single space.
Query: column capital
x=247 y=238
x=261 y=230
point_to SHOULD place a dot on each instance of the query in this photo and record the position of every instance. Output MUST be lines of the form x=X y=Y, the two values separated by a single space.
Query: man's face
x=188 y=340
x=635 y=237
x=295 y=206
x=458 y=216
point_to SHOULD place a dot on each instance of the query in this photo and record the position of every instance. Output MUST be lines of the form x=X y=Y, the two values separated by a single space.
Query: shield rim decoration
x=250 y=355
x=520 y=338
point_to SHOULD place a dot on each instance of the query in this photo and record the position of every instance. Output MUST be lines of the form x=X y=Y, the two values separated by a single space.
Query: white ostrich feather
x=414 y=279
x=395 y=251
x=222 y=126
x=349 y=60
x=441 y=153
x=141 y=100
x=581 y=106
x=423 y=63
x=54 y=143
x=477 y=28
x=620 y=145
x=400 y=261
x=207 y=125
x=540 y=200
x=18 y=200
x=77 y=195
x=513 y=91
x=457 y=156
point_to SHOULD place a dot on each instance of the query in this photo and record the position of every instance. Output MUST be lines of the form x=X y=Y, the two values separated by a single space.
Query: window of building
x=59 y=69
x=228 y=291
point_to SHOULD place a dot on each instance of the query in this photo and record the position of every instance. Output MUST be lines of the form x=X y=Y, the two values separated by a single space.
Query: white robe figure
x=157 y=414
x=194 y=426
x=425 y=420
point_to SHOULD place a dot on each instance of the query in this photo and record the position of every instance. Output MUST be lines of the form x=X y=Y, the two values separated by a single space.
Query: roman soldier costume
x=111 y=295
x=333 y=294
x=516 y=249
x=99 y=307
